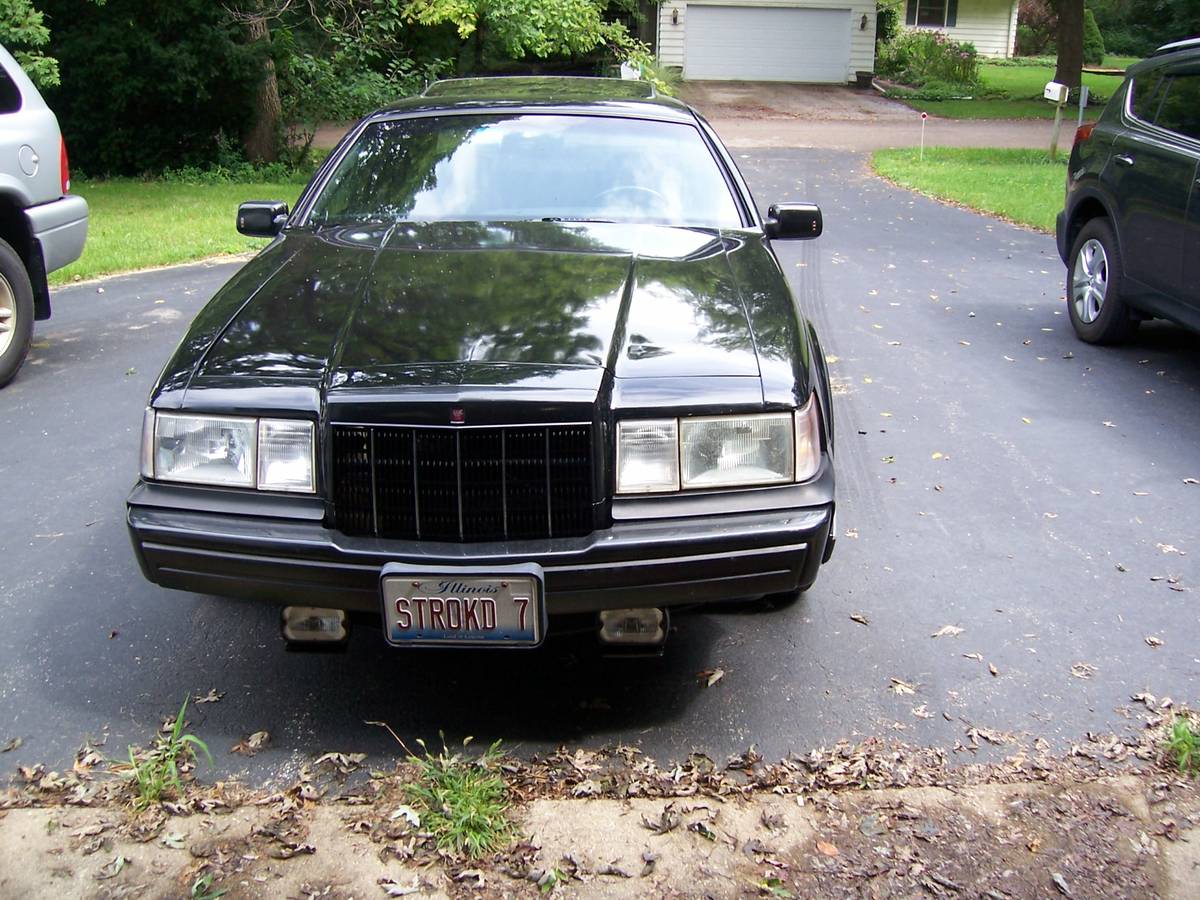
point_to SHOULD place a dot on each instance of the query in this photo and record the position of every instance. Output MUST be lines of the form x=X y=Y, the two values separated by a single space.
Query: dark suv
x=1130 y=229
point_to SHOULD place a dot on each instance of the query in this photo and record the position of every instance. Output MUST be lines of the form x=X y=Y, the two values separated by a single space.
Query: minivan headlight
x=229 y=451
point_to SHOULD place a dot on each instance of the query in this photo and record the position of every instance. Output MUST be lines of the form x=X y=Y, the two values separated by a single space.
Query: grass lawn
x=137 y=224
x=1021 y=185
x=1014 y=91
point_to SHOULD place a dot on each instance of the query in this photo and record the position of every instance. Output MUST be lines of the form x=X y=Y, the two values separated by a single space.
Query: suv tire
x=1094 y=276
x=16 y=313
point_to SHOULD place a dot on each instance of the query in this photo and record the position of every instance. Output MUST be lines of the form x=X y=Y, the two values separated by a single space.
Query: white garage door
x=761 y=43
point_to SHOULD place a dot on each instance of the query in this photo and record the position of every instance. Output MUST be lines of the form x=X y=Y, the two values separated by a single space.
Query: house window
x=931 y=13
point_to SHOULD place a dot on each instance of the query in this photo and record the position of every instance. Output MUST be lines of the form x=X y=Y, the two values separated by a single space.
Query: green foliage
x=463 y=803
x=155 y=771
x=1037 y=27
x=1093 y=41
x=23 y=33
x=917 y=57
x=1137 y=27
x=202 y=888
x=887 y=21
x=148 y=84
x=1184 y=745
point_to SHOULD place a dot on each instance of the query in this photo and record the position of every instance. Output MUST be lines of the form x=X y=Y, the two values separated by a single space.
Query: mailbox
x=1056 y=93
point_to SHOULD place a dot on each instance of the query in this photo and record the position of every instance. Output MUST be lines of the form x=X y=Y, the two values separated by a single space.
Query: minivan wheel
x=1098 y=314
x=16 y=313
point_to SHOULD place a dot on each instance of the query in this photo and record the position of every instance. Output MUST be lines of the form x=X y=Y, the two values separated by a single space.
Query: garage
x=766 y=43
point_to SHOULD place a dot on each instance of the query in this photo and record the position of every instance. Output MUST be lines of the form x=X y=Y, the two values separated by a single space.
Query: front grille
x=463 y=484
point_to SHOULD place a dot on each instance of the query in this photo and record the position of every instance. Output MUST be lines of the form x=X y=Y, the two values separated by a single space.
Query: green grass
x=1021 y=185
x=154 y=772
x=1184 y=745
x=136 y=224
x=1013 y=91
x=462 y=802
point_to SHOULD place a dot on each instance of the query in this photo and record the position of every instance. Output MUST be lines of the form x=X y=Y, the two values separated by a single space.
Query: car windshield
x=520 y=167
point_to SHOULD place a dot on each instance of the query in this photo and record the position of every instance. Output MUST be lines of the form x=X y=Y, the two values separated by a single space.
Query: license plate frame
x=479 y=592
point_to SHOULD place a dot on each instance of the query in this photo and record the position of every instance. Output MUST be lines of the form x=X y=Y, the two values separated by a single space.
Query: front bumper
x=240 y=552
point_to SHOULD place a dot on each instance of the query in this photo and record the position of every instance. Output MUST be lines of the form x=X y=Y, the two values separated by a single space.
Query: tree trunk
x=262 y=140
x=1070 y=43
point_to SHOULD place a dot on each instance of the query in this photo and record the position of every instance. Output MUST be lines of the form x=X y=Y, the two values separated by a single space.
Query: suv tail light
x=64 y=168
x=1083 y=133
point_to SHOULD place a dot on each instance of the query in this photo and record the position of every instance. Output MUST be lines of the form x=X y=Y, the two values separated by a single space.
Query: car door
x=1151 y=171
x=1180 y=113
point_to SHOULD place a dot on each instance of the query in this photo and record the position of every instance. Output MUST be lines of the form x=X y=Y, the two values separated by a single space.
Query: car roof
x=546 y=93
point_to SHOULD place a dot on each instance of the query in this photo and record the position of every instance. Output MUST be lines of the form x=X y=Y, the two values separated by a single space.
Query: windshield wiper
x=577 y=219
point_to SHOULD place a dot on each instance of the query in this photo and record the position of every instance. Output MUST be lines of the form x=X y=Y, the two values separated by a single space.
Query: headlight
x=728 y=451
x=647 y=456
x=229 y=451
x=665 y=455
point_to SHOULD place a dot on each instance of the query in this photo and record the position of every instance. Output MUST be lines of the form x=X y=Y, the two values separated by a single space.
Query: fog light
x=633 y=626
x=315 y=625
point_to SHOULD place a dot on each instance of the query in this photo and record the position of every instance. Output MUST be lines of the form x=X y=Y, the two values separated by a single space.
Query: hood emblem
x=457 y=416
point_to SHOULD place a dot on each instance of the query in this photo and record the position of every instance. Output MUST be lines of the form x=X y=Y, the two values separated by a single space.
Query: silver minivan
x=42 y=225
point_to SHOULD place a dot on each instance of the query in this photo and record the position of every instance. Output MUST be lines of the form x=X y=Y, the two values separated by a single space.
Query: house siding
x=991 y=25
x=862 y=41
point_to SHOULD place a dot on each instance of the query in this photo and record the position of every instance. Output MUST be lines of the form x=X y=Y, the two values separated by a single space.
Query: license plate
x=500 y=606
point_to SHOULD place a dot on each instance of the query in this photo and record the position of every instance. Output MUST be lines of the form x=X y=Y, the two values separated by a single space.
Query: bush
x=1093 y=41
x=918 y=57
x=887 y=23
x=148 y=84
x=1037 y=27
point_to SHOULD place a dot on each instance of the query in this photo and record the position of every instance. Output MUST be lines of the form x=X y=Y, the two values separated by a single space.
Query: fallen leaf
x=711 y=676
x=859 y=618
x=1169 y=548
x=826 y=849
x=1121 y=568
x=213 y=696
x=649 y=859
x=1191 y=481
x=1082 y=670
x=703 y=830
x=173 y=839
x=921 y=712
x=947 y=631
x=1060 y=883
x=252 y=744
x=993 y=670
x=899 y=686
x=887 y=459
x=965 y=343
x=612 y=869
x=15 y=743
x=112 y=868
x=936 y=455
x=407 y=813
x=1153 y=641
x=667 y=821
x=1141 y=493
x=396 y=889
x=978 y=657
x=1027 y=420
x=1108 y=424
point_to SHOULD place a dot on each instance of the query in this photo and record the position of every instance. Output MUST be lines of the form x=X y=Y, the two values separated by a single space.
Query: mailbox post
x=1057 y=94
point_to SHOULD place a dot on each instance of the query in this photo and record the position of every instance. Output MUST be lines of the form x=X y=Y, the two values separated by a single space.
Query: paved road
x=1057 y=496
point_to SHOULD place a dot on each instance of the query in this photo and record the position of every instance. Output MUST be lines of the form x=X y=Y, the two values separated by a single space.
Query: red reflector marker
x=64 y=168
x=1083 y=133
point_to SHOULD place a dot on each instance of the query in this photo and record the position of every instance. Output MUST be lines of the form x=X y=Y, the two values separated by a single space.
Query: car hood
x=442 y=304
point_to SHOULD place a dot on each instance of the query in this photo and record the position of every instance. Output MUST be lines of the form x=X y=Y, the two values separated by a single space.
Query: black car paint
x=562 y=322
x=1144 y=180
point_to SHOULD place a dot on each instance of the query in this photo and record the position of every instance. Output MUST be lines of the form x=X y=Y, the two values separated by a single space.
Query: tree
x=1069 y=70
x=23 y=31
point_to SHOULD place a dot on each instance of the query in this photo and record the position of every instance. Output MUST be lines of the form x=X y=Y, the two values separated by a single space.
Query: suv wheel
x=16 y=313
x=1094 y=303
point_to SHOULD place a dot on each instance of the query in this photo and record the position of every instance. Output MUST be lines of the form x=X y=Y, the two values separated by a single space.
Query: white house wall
x=862 y=41
x=991 y=25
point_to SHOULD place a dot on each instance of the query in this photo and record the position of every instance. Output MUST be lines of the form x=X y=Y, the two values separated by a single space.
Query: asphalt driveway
x=996 y=476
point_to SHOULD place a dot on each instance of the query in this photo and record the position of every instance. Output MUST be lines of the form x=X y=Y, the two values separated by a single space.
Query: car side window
x=1180 y=109
x=10 y=97
x=1146 y=95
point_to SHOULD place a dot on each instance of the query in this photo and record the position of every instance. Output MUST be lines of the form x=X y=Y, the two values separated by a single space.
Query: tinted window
x=10 y=97
x=508 y=167
x=1146 y=95
x=1180 y=109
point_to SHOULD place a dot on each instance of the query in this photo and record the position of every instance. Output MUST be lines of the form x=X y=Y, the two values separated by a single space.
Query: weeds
x=155 y=771
x=202 y=888
x=1184 y=745
x=463 y=803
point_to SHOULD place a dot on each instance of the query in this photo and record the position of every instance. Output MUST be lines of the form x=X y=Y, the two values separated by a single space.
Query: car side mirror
x=262 y=218
x=797 y=221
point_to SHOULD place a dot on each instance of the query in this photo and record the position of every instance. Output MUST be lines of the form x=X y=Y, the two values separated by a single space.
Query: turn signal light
x=1083 y=133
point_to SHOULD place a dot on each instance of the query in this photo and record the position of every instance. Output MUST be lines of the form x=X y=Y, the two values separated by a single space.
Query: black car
x=521 y=349
x=1130 y=229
